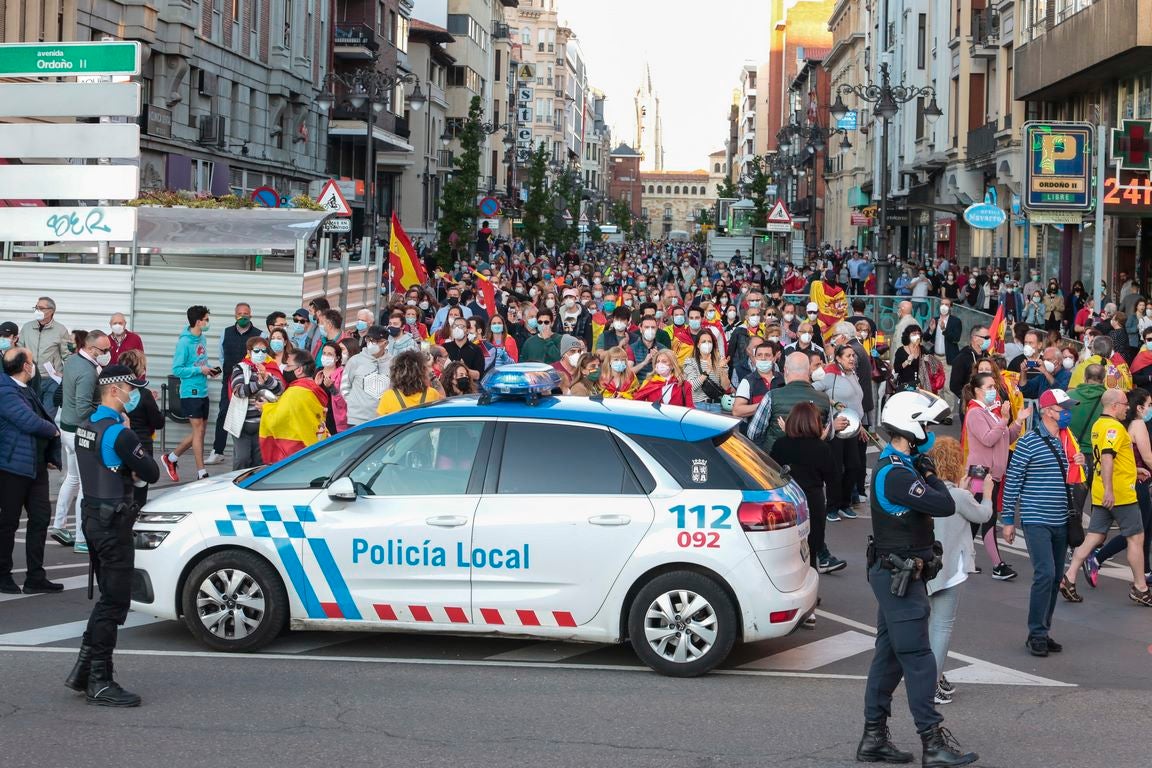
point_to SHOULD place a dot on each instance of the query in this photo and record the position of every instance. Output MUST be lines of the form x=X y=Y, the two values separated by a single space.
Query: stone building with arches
x=674 y=199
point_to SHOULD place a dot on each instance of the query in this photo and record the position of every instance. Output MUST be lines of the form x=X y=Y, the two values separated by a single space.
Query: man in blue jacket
x=29 y=447
x=190 y=365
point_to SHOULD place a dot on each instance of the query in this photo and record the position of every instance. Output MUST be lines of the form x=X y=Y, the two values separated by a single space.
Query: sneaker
x=848 y=514
x=945 y=686
x=170 y=466
x=1053 y=646
x=1003 y=572
x=214 y=458
x=80 y=548
x=942 y=696
x=826 y=562
x=1068 y=591
x=1091 y=568
x=42 y=587
x=809 y=621
x=1037 y=646
x=833 y=516
x=8 y=585
x=859 y=499
x=1141 y=597
x=61 y=537
x=977 y=570
x=202 y=474
x=1148 y=578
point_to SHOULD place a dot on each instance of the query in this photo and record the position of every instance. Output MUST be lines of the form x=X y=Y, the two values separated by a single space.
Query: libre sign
x=69 y=59
x=1058 y=167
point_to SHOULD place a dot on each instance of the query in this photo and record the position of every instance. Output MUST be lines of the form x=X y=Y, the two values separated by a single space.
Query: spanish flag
x=293 y=422
x=484 y=285
x=406 y=268
x=996 y=330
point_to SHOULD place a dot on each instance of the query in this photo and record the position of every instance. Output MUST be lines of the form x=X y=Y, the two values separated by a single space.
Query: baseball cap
x=9 y=329
x=1058 y=398
x=120 y=374
x=375 y=332
x=302 y=313
x=571 y=292
x=813 y=307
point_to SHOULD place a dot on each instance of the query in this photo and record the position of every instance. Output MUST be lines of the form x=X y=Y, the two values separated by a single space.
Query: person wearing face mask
x=452 y=299
x=544 y=346
x=617 y=379
x=571 y=349
x=907 y=364
x=587 y=381
x=51 y=344
x=574 y=319
x=329 y=373
x=707 y=371
x=249 y=379
x=29 y=447
x=144 y=415
x=233 y=349
x=9 y=337
x=78 y=390
x=645 y=347
x=190 y=365
x=807 y=341
x=111 y=459
x=366 y=375
x=302 y=330
x=459 y=348
x=364 y=319
x=123 y=339
x=944 y=332
x=666 y=383
x=500 y=349
x=279 y=346
x=738 y=339
x=682 y=337
x=455 y=380
x=840 y=383
x=964 y=363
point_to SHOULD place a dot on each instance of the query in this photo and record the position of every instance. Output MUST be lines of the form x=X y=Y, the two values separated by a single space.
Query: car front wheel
x=234 y=601
x=682 y=624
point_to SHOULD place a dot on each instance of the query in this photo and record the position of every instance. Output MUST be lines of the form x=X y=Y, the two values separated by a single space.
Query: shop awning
x=857 y=198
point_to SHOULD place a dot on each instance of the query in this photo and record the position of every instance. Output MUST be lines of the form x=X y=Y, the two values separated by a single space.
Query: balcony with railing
x=1075 y=45
x=501 y=31
x=354 y=42
x=985 y=33
x=444 y=159
x=982 y=144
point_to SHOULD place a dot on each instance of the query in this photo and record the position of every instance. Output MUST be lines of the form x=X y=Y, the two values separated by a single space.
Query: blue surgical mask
x=361 y=325
x=5 y=344
x=990 y=397
x=985 y=344
x=1065 y=419
x=277 y=345
x=619 y=365
x=133 y=401
x=497 y=328
x=1147 y=414
x=296 y=328
x=532 y=324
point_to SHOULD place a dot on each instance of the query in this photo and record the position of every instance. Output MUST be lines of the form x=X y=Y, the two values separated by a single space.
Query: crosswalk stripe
x=818 y=653
x=72 y=582
x=546 y=652
x=67 y=631
x=73 y=567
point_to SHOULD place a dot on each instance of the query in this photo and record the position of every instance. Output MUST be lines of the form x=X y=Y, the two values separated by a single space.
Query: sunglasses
x=258 y=351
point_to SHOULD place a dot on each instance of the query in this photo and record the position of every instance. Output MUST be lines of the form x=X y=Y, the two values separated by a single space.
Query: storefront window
x=1144 y=97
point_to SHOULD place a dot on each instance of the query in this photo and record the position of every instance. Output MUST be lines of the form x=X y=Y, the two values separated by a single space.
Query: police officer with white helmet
x=902 y=557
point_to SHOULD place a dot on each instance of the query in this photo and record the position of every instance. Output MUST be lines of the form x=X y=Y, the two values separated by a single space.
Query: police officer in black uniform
x=109 y=456
x=902 y=557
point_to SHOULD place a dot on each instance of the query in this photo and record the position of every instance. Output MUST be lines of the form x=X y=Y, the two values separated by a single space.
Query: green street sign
x=69 y=59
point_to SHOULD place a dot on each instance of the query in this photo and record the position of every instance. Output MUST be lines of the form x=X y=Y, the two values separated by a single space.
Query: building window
x=402 y=26
x=498 y=65
x=716 y=168
x=659 y=189
x=392 y=27
x=921 y=40
x=676 y=190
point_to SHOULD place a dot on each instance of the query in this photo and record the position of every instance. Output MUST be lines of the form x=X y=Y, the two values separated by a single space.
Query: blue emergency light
x=528 y=380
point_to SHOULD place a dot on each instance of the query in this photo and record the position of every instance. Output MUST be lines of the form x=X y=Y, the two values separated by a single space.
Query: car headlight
x=148 y=539
x=160 y=517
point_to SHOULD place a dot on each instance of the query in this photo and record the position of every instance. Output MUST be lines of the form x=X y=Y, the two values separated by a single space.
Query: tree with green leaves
x=458 y=201
x=566 y=191
x=759 y=179
x=727 y=190
x=595 y=234
x=536 y=207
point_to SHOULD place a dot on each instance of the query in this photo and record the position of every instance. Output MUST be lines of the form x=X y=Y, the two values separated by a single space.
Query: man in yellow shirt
x=1113 y=498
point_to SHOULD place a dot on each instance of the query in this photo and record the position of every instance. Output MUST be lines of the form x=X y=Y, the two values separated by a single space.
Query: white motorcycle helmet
x=907 y=414
x=726 y=403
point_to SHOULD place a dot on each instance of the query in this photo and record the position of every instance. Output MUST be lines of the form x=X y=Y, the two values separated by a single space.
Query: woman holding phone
x=988 y=431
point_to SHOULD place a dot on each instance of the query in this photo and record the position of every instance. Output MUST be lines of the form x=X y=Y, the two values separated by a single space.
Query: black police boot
x=105 y=691
x=876 y=745
x=943 y=751
x=77 y=679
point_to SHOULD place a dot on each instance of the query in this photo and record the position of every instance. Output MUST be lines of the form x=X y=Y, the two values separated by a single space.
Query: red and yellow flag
x=996 y=330
x=407 y=270
x=484 y=285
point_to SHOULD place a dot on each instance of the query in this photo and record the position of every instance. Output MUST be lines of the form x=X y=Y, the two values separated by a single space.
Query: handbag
x=1075 y=517
x=238 y=407
x=712 y=390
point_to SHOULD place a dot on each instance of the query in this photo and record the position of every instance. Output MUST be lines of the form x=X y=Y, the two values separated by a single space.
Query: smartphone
x=216 y=371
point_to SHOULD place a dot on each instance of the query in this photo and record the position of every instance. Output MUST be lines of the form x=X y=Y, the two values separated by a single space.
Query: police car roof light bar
x=529 y=381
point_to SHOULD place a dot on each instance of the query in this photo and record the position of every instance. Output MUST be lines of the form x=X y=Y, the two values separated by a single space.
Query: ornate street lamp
x=887 y=98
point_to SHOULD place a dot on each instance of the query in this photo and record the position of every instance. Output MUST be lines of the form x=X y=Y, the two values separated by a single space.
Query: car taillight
x=766 y=515
x=782 y=617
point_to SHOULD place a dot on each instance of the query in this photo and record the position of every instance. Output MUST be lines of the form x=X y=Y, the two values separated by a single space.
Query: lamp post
x=371 y=90
x=816 y=141
x=887 y=98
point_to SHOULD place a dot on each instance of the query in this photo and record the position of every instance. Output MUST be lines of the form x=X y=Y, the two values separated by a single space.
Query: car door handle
x=610 y=520
x=447 y=521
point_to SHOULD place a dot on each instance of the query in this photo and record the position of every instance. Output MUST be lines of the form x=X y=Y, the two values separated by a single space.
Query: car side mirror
x=342 y=490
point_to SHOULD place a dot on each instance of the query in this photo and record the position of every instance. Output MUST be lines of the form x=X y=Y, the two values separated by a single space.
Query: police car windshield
x=314 y=468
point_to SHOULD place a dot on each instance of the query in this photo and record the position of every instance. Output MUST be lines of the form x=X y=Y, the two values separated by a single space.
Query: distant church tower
x=649 y=138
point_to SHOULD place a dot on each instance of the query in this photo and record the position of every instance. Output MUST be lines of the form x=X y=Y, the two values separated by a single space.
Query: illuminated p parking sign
x=1058 y=167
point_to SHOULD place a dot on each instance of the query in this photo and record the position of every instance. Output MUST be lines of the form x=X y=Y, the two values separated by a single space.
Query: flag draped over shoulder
x=292 y=422
x=407 y=270
x=484 y=285
x=996 y=330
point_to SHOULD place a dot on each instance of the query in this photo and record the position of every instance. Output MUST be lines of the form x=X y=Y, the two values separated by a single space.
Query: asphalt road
x=380 y=700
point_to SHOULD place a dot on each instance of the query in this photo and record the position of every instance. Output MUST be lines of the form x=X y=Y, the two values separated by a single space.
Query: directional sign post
x=69 y=59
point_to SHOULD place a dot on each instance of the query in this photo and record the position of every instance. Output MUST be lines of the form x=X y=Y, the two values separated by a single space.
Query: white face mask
x=789 y=317
x=649 y=334
x=570 y=302
x=945 y=309
x=663 y=369
x=573 y=359
x=914 y=338
x=459 y=333
x=104 y=359
x=862 y=335
x=1069 y=363
x=1029 y=350
x=372 y=349
x=551 y=303
x=805 y=338
x=705 y=349
x=818 y=374
x=619 y=326
x=117 y=328
x=753 y=320
x=1049 y=366
x=328 y=361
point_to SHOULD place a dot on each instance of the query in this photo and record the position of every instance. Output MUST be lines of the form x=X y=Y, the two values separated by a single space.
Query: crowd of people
x=791 y=351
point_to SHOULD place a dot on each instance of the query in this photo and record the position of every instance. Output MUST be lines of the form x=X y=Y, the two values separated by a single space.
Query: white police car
x=516 y=513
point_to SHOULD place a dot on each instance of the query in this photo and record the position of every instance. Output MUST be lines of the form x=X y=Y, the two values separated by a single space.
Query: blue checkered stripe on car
x=282 y=527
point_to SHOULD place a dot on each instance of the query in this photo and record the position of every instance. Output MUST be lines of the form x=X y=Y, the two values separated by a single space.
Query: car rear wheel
x=234 y=601
x=682 y=624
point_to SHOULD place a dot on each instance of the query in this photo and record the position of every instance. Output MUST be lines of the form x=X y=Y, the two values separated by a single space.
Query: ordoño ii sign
x=69 y=59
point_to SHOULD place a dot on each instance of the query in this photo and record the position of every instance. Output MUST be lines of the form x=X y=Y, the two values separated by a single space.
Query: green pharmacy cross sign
x=1132 y=145
x=69 y=59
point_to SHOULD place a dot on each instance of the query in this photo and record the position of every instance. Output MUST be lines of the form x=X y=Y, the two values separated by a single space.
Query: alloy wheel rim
x=230 y=604
x=680 y=626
